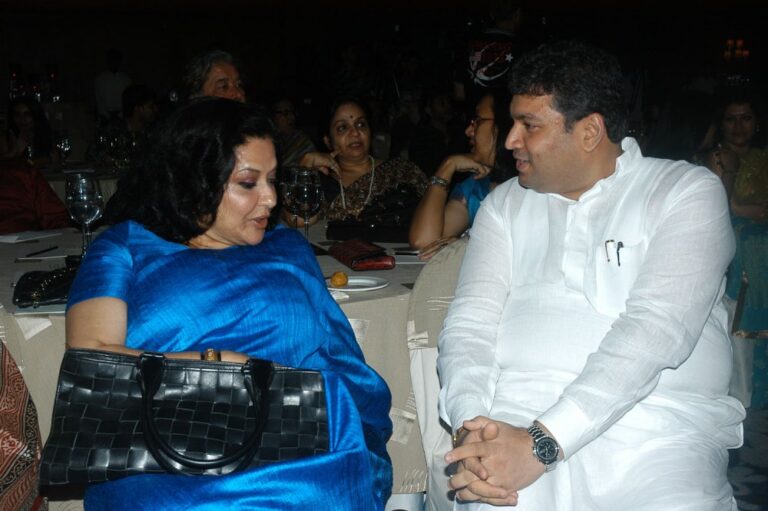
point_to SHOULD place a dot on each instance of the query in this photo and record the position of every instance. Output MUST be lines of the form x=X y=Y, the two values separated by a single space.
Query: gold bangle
x=211 y=354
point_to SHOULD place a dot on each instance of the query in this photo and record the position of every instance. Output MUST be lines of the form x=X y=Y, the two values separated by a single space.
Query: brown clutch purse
x=362 y=255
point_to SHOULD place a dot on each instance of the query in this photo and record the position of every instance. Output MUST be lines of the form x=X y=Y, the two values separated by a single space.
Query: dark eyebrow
x=256 y=171
x=525 y=117
x=356 y=119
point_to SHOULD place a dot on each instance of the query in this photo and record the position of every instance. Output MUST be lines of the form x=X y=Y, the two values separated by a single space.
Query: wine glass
x=64 y=146
x=302 y=193
x=84 y=203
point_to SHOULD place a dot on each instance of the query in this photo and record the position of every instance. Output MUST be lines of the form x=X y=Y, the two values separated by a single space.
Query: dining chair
x=740 y=299
x=742 y=345
x=431 y=296
x=38 y=359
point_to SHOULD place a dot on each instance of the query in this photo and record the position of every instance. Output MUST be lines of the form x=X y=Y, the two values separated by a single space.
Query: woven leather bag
x=118 y=415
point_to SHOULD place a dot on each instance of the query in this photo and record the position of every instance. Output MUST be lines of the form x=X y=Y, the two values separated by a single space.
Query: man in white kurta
x=590 y=301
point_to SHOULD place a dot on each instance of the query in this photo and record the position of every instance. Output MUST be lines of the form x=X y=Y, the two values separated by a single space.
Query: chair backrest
x=432 y=294
x=434 y=290
x=736 y=323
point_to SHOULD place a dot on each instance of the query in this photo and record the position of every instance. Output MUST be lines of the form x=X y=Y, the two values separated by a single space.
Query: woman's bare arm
x=101 y=324
x=434 y=218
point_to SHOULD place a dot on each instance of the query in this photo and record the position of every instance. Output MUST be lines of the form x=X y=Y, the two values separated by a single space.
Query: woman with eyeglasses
x=356 y=183
x=444 y=213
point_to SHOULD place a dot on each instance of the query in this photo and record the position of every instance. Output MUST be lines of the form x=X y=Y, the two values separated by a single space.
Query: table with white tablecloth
x=36 y=339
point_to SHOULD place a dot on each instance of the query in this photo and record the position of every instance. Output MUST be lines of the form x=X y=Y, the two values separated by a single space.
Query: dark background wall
x=294 y=47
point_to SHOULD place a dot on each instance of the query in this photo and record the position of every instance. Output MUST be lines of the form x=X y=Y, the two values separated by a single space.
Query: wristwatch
x=545 y=448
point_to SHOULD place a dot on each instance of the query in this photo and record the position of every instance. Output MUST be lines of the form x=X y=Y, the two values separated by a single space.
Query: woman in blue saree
x=191 y=265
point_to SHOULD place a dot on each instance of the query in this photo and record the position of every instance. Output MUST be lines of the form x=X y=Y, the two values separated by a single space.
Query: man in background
x=214 y=73
x=109 y=86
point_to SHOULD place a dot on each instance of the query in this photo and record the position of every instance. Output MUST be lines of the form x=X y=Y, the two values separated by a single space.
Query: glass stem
x=306 y=226
x=86 y=238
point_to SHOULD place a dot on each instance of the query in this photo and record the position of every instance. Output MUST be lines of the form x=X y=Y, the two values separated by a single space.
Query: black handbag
x=386 y=219
x=118 y=415
x=36 y=288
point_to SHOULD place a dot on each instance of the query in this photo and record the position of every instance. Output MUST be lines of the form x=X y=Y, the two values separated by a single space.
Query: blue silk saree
x=269 y=301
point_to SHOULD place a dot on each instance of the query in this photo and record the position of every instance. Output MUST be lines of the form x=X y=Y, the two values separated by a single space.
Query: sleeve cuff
x=462 y=409
x=569 y=425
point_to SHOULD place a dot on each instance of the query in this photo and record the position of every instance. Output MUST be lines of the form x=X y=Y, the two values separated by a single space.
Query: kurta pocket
x=616 y=267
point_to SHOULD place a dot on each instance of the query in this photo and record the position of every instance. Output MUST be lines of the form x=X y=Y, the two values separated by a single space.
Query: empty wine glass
x=302 y=193
x=84 y=203
x=64 y=146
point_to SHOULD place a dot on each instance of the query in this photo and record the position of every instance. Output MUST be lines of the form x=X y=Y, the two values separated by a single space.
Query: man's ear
x=592 y=131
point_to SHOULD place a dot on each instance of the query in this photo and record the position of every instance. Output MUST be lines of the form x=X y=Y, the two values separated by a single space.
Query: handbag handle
x=257 y=377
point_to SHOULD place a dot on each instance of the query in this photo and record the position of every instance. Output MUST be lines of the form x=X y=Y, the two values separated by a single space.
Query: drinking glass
x=84 y=203
x=302 y=193
x=64 y=146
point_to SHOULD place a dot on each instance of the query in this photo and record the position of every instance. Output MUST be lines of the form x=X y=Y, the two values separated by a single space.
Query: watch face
x=546 y=450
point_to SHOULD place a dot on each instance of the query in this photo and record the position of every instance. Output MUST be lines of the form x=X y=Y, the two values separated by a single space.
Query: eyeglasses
x=477 y=120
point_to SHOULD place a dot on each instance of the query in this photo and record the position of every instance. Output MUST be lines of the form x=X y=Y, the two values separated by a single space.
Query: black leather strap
x=257 y=376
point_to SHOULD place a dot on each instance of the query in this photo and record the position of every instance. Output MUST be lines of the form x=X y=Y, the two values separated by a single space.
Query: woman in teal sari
x=744 y=171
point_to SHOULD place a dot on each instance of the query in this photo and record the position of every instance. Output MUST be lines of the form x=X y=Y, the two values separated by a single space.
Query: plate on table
x=360 y=284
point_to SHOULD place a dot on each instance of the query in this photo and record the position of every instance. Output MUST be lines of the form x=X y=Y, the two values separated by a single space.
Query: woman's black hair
x=504 y=162
x=43 y=141
x=177 y=187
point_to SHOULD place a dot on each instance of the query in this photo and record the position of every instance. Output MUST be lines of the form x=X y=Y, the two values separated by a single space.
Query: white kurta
x=603 y=319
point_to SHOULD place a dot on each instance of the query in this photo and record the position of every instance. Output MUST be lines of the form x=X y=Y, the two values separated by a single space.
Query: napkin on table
x=20 y=237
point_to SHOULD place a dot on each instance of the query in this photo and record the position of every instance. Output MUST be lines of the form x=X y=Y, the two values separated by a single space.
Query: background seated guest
x=743 y=167
x=438 y=133
x=738 y=157
x=196 y=227
x=442 y=215
x=214 y=73
x=139 y=108
x=586 y=359
x=27 y=201
x=109 y=86
x=29 y=134
x=121 y=139
x=292 y=143
x=353 y=179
